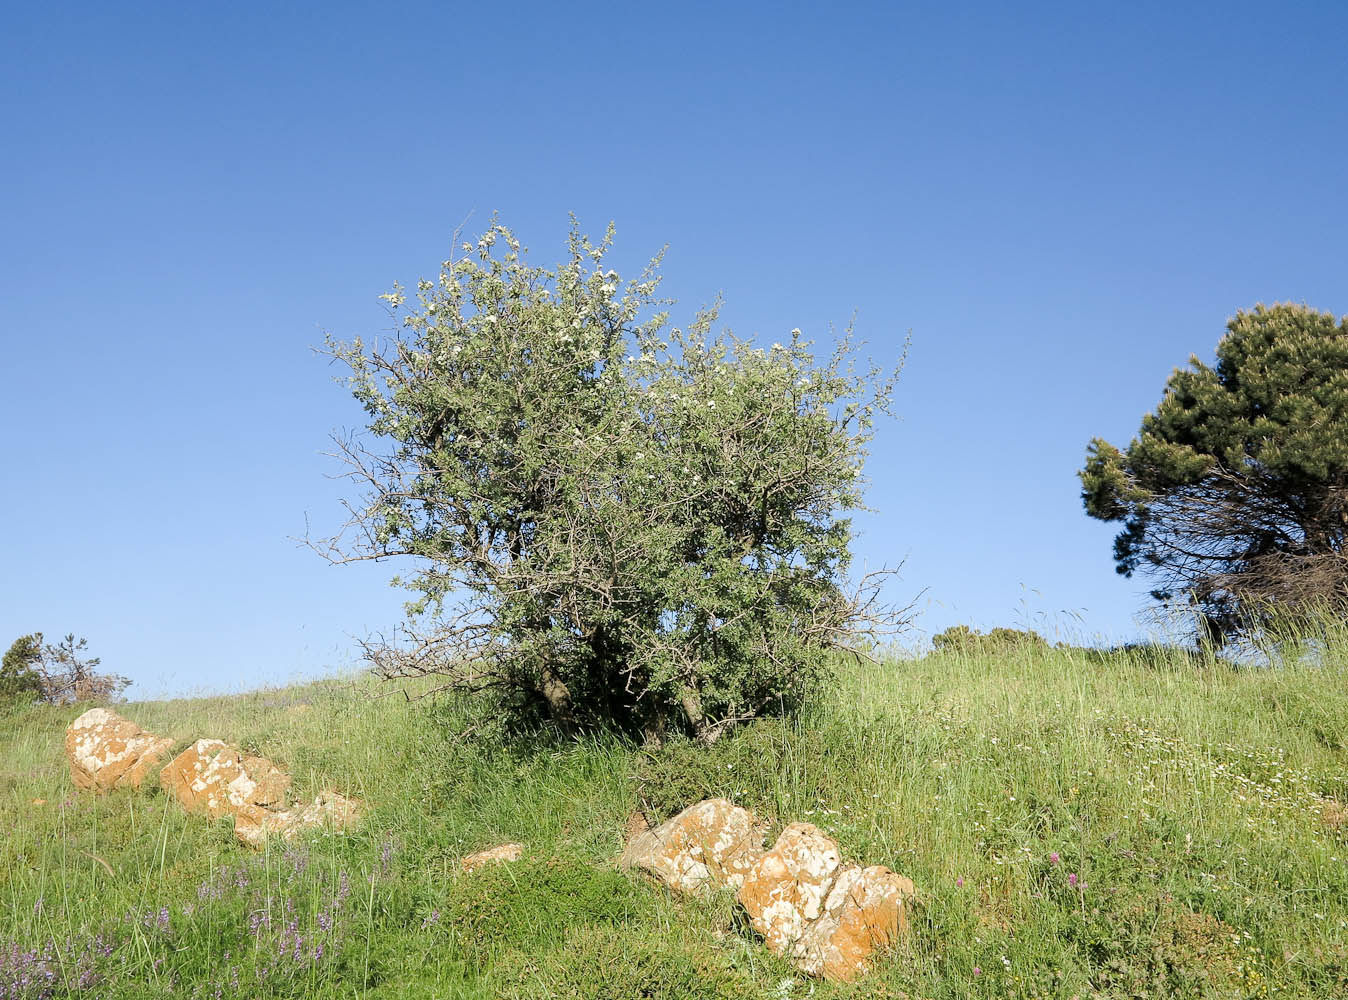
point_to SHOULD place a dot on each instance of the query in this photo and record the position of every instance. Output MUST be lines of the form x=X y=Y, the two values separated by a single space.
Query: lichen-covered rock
x=864 y=912
x=219 y=780
x=107 y=751
x=785 y=890
x=712 y=843
x=492 y=855
x=329 y=809
x=827 y=918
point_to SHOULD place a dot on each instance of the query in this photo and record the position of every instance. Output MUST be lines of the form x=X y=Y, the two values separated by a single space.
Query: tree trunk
x=558 y=697
x=692 y=708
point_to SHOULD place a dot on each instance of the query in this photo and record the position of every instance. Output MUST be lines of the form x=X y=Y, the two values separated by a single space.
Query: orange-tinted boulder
x=219 y=780
x=785 y=890
x=827 y=918
x=712 y=843
x=864 y=912
x=107 y=751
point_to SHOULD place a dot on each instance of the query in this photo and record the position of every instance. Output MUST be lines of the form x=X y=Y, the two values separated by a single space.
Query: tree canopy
x=19 y=675
x=1232 y=495
x=612 y=520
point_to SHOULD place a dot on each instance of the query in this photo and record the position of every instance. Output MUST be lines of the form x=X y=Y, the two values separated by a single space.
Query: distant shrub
x=1154 y=655
x=963 y=639
x=59 y=674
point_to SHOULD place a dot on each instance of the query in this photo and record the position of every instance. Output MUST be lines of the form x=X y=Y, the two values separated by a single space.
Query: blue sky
x=1061 y=202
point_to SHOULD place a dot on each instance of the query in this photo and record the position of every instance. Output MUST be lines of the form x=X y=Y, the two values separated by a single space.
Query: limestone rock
x=219 y=780
x=329 y=809
x=713 y=842
x=211 y=777
x=863 y=913
x=785 y=890
x=492 y=855
x=107 y=751
x=826 y=918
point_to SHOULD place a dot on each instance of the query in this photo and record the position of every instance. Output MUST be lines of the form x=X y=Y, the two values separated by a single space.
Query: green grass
x=1186 y=800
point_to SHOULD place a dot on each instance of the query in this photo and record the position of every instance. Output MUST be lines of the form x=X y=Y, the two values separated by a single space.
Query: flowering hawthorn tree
x=613 y=521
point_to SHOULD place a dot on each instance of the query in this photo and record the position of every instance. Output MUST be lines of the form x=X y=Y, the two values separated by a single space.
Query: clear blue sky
x=1061 y=202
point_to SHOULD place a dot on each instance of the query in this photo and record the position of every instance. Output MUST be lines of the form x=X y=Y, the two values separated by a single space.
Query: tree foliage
x=613 y=520
x=1233 y=494
x=19 y=676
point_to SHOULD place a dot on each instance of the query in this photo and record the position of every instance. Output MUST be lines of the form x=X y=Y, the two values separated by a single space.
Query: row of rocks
x=107 y=751
x=826 y=917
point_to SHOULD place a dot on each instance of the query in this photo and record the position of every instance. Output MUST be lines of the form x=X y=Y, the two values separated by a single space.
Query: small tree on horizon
x=58 y=674
x=1234 y=494
x=19 y=676
x=615 y=522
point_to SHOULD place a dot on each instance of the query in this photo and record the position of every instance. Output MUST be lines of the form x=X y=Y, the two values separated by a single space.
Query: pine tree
x=19 y=676
x=1234 y=494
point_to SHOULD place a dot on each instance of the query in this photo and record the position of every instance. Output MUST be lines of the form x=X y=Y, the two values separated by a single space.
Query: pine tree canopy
x=1232 y=495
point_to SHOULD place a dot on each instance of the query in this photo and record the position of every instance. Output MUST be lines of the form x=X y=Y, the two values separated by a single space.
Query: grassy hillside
x=1074 y=828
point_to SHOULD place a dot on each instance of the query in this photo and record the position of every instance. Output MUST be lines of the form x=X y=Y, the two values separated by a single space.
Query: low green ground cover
x=1076 y=826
